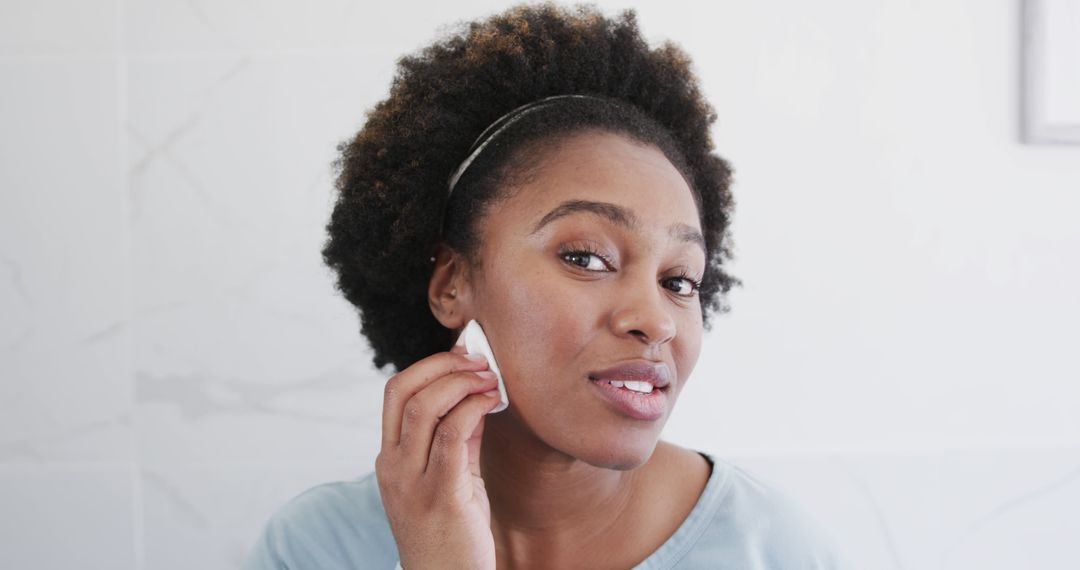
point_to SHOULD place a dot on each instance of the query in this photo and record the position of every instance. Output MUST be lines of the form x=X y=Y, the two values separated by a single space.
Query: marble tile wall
x=175 y=364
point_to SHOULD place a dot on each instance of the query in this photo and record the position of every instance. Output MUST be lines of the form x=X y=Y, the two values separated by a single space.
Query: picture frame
x=1050 y=72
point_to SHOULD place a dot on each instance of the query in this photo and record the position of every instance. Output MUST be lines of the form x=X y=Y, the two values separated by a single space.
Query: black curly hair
x=392 y=182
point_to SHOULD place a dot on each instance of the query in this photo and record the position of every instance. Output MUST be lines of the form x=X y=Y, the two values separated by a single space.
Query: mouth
x=637 y=389
x=639 y=386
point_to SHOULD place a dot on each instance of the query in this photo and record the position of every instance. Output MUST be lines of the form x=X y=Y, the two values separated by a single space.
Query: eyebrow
x=619 y=216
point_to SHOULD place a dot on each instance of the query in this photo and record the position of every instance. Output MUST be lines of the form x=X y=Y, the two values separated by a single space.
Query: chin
x=624 y=455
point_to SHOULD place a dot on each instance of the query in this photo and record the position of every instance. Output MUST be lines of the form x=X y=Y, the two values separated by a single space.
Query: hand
x=429 y=465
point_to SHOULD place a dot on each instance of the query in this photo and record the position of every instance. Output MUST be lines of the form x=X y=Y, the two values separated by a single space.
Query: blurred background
x=175 y=363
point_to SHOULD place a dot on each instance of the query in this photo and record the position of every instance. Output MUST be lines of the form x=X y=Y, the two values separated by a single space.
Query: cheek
x=690 y=351
x=687 y=349
x=545 y=316
x=545 y=324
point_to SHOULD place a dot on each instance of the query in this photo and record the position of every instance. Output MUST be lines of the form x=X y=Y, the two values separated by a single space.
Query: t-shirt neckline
x=696 y=523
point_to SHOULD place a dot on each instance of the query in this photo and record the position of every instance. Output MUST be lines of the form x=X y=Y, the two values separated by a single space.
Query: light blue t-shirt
x=738 y=523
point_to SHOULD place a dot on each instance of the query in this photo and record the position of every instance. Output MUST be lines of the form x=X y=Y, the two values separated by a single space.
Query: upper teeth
x=643 y=387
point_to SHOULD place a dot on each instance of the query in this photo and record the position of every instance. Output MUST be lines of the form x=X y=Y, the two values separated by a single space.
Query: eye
x=586 y=258
x=684 y=285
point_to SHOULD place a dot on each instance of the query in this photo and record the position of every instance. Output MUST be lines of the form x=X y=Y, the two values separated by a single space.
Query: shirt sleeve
x=262 y=555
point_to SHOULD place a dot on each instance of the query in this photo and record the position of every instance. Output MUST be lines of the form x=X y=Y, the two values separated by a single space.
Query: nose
x=642 y=311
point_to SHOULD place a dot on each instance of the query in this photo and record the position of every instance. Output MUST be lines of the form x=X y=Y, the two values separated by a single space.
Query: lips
x=623 y=385
x=656 y=373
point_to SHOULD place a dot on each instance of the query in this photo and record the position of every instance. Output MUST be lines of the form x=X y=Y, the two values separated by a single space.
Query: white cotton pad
x=476 y=342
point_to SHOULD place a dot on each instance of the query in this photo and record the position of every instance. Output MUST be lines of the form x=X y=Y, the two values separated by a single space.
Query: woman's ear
x=449 y=292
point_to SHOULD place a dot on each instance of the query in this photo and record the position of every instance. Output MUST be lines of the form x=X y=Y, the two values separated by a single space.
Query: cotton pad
x=476 y=342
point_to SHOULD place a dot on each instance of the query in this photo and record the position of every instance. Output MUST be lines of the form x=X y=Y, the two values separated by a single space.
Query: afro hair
x=392 y=198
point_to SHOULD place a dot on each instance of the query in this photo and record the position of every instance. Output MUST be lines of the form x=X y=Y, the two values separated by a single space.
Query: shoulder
x=333 y=525
x=755 y=525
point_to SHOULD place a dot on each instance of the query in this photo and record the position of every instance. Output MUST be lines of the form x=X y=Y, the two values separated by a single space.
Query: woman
x=549 y=175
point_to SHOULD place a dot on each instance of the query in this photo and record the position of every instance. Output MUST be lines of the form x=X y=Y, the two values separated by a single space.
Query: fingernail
x=475 y=357
x=486 y=374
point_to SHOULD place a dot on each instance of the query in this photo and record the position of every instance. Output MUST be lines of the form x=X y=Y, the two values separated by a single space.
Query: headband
x=500 y=125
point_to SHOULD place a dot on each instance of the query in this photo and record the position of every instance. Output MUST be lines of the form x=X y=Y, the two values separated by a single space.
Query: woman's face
x=591 y=265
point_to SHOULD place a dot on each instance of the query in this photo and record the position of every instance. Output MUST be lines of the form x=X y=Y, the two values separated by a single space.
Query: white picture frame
x=1050 y=94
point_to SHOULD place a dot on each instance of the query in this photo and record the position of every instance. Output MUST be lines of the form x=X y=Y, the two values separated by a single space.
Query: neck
x=544 y=503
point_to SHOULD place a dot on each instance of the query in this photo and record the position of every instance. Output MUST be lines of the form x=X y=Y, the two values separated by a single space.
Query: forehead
x=606 y=167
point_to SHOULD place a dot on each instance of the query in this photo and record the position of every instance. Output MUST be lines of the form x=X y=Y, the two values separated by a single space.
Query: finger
x=472 y=445
x=450 y=451
x=424 y=411
x=408 y=382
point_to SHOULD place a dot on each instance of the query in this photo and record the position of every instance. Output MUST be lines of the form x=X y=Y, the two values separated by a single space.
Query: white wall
x=175 y=363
